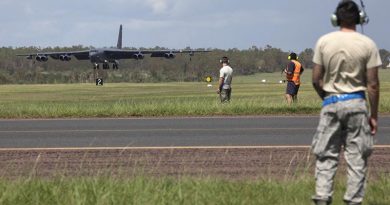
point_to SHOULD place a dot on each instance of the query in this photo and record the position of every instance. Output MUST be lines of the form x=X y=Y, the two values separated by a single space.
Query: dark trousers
x=225 y=94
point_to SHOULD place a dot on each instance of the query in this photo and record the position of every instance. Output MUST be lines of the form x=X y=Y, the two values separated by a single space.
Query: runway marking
x=166 y=118
x=179 y=117
x=151 y=129
x=165 y=129
x=161 y=148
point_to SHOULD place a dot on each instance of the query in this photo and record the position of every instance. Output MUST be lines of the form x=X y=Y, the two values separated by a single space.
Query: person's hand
x=373 y=125
x=218 y=91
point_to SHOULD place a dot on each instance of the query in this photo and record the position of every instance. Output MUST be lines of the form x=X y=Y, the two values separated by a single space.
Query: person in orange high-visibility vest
x=293 y=73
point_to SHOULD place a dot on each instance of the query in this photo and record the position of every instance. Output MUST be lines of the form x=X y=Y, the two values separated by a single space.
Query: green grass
x=250 y=97
x=140 y=190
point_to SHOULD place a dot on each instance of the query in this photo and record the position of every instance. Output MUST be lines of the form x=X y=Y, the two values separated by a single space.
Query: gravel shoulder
x=229 y=163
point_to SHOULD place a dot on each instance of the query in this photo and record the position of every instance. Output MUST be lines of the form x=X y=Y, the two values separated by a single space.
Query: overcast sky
x=286 y=24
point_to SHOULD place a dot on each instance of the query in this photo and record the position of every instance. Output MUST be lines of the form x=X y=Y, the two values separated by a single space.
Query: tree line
x=184 y=68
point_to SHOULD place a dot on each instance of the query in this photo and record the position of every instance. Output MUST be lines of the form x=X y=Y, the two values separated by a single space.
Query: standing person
x=346 y=65
x=293 y=75
x=225 y=80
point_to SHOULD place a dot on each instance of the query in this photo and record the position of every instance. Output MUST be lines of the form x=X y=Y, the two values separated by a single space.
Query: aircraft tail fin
x=119 y=44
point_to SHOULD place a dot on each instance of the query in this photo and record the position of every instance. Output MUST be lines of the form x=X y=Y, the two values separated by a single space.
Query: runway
x=166 y=132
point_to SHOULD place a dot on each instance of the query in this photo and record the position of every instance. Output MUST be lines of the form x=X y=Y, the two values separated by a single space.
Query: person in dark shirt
x=293 y=73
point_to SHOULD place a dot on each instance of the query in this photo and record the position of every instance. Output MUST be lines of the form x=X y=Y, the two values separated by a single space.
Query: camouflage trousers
x=225 y=94
x=342 y=125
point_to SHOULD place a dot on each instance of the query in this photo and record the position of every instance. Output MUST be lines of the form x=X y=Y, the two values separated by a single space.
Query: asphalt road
x=162 y=132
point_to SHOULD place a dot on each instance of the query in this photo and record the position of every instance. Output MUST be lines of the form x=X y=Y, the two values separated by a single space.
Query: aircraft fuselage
x=99 y=56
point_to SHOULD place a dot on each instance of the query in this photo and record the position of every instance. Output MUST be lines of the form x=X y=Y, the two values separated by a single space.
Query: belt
x=343 y=97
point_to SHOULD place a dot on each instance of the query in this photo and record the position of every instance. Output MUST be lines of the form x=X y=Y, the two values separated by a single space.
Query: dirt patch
x=232 y=163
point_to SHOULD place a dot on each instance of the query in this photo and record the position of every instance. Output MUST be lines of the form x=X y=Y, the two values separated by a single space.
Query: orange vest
x=296 y=75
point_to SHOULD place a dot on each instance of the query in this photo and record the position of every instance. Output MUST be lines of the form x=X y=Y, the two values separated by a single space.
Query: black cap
x=224 y=60
x=293 y=56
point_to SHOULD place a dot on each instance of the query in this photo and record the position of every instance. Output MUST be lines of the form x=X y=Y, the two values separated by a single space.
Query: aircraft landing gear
x=115 y=66
x=106 y=66
x=95 y=66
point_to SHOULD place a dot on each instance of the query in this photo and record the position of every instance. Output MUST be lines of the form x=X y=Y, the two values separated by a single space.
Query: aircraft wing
x=121 y=54
x=79 y=55
x=168 y=53
x=139 y=54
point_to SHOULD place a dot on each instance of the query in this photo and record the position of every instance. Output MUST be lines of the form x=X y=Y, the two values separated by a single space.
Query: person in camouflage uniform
x=346 y=66
x=225 y=80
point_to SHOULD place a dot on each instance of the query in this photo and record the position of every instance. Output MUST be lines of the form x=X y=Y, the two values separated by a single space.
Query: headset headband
x=362 y=17
x=224 y=60
x=293 y=56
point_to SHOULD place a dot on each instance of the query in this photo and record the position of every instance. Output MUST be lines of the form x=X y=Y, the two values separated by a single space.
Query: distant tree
x=385 y=55
x=305 y=57
x=14 y=69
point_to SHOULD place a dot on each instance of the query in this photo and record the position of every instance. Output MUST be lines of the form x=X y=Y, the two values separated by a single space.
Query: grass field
x=141 y=190
x=250 y=97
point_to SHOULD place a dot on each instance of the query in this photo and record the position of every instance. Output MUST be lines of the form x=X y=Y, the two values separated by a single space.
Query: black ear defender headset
x=292 y=56
x=224 y=60
x=362 y=18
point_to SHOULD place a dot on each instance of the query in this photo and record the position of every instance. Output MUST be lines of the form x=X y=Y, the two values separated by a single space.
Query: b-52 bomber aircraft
x=105 y=56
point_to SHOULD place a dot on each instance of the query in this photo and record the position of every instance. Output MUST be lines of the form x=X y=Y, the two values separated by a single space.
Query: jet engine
x=41 y=58
x=65 y=58
x=169 y=55
x=138 y=56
